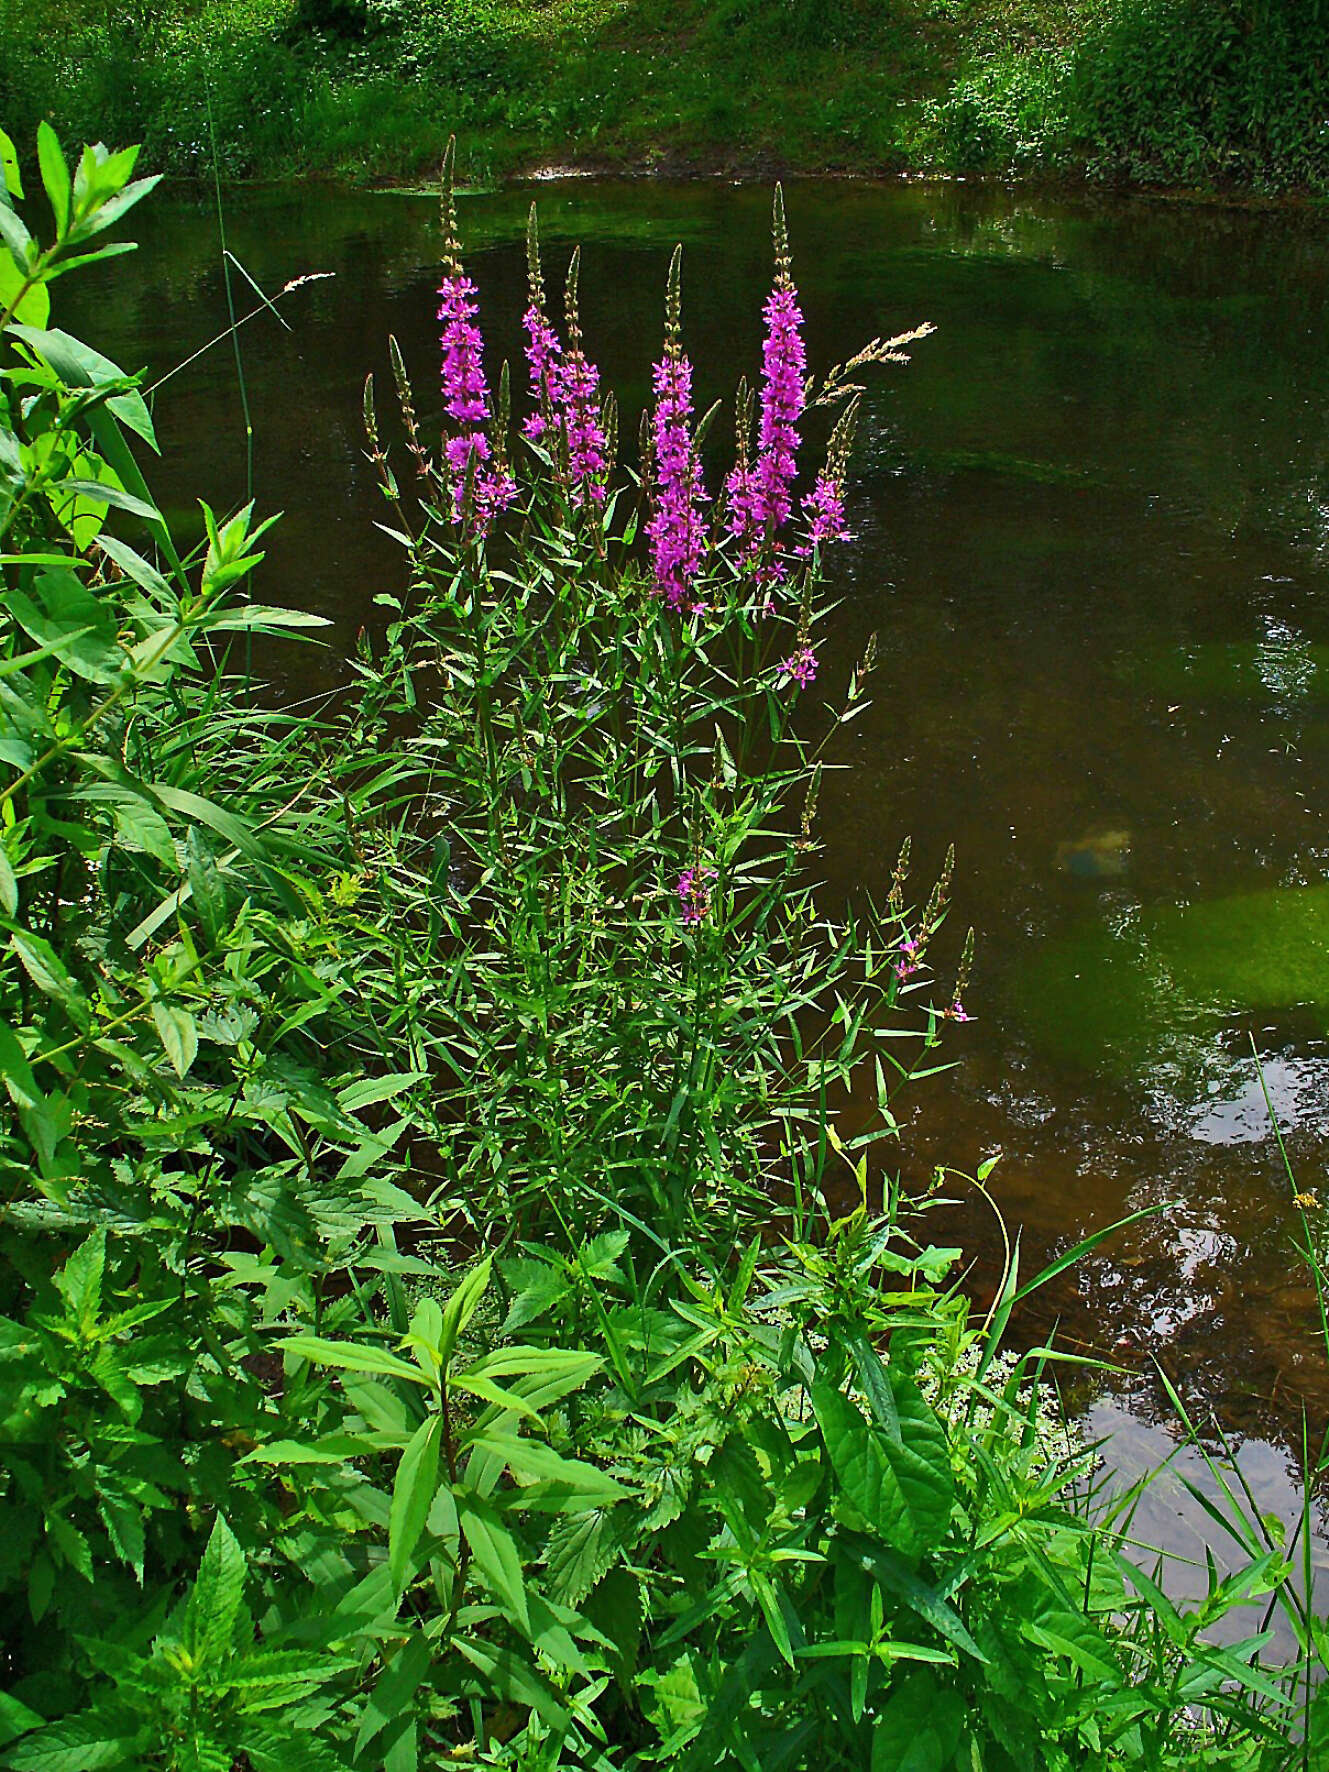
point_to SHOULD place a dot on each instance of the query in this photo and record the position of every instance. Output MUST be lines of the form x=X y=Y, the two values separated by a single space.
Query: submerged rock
x=1101 y=855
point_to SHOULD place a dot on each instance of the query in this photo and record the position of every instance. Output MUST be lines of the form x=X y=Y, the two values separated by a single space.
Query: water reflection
x=1092 y=534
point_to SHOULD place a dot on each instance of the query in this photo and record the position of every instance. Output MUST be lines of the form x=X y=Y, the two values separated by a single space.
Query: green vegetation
x=1190 y=92
x=440 y=1320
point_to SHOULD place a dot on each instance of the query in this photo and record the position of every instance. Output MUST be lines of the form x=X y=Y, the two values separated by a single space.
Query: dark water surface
x=1092 y=527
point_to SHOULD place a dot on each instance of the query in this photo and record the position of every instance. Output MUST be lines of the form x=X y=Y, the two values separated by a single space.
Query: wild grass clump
x=441 y=1318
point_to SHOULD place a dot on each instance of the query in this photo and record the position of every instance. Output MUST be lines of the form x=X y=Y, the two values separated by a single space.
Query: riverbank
x=1157 y=92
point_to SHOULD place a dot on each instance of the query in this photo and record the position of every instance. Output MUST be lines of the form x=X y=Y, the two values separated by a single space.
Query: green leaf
x=15 y=1718
x=413 y=1494
x=919 y=1728
x=10 y=167
x=178 y=1034
x=495 y=1556
x=395 y=1689
x=462 y=1306
x=214 y=1604
x=55 y=174
x=35 y=306
x=532 y=1461
x=47 y=971
x=206 y=885
x=580 y=1550
x=901 y=1491
x=351 y=1356
x=8 y=883
x=80 y=1280
x=75 y=1744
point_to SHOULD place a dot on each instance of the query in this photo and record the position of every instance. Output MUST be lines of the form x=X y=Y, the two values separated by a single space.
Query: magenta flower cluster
x=480 y=488
x=577 y=400
x=824 y=509
x=694 y=893
x=542 y=353
x=677 y=531
x=909 y=953
x=565 y=389
x=800 y=667
x=760 y=494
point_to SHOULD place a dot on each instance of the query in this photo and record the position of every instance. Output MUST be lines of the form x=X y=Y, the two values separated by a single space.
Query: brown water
x=1092 y=529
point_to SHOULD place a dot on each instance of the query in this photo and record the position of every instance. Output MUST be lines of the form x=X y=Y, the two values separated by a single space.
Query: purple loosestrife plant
x=694 y=893
x=576 y=389
x=677 y=530
x=544 y=352
x=760 y=494
x=476 y=475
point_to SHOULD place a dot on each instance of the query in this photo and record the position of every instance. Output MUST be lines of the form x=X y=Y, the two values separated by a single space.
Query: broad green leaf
x=9 y=166
x=178 y=1034
x=55 y=174
x=919 y=1729
x=351 y=1356
x=413 y=1494
x=495 y=1556
x=904 y=1494
x=580 y=1550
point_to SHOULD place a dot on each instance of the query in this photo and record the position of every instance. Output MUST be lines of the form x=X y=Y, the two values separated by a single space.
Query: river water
x=1092 y=533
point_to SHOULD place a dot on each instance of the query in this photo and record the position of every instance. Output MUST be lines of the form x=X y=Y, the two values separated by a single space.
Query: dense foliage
x=1227 y=92
x=440 y=1319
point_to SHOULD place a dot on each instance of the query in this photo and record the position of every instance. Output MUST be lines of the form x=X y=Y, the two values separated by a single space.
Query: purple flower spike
x=694 y=893
x=577 y=382
x=958 y=1012
x=800 y=667
x=543 y=353
x=783 y=363
x=677 y=531
x=824 y=509
x=759 y=496
x=479 y=490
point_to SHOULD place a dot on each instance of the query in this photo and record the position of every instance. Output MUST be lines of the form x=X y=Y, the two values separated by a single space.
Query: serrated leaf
x=351 y=1356
x=214 y=1603
x=580 y=1549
